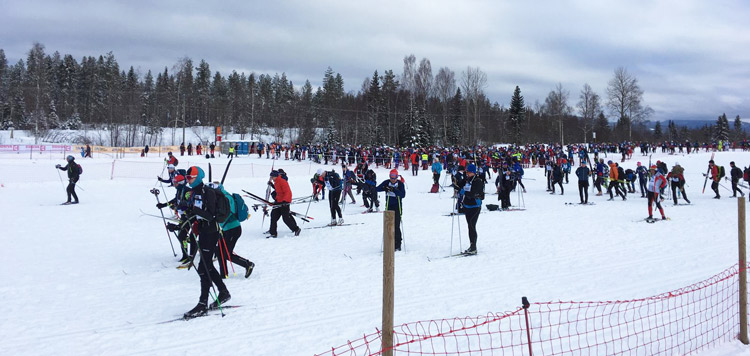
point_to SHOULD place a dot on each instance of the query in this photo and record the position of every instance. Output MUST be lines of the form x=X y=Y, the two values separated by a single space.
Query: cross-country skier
x=642 y=173
x=714 y=172
x=394 y=193
x=333 y=183
x=655 y=184
x=282 y=197
x=348 y=177
x=677 y=180
x=473 y=194
x=613 y=182
x=180 y=204
x=203 y=209
x=74 y=174
x=583 y=174
x=736 y=174
x=171 y=172
x=231 y=232
x=370 y=193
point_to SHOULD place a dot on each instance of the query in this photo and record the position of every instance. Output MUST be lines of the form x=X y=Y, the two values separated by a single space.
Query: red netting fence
x=673 y=323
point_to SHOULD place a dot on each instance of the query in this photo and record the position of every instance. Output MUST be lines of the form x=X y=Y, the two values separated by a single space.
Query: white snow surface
x=98 y=277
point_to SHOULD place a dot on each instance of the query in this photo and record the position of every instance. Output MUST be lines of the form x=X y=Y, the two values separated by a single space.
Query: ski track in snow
x=98 y=277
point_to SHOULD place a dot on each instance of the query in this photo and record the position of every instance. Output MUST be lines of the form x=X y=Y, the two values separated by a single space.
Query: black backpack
x=223 y=209
x=721 y=172
x=746 y=175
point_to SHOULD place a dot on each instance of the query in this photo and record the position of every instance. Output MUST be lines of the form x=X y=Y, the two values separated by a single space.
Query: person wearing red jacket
x=714 y=178
x=654 y=186
x=282 y=197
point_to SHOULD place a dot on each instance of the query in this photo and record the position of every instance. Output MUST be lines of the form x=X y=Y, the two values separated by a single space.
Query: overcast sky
x=691 y=57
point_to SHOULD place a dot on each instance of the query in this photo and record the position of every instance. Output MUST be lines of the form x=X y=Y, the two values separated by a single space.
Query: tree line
x=414 y=107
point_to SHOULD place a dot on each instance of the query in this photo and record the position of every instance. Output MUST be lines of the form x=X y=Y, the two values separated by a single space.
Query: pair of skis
x=266 y=203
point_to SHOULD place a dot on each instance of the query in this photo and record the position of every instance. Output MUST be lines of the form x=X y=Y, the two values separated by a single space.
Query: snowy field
x=98 y=278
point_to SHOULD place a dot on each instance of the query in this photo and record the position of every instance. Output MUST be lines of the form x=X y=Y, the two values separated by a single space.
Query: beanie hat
x=471 y=168
x=170 y=166
x=393 y=173
x=70 y=158
x=320 y=171
x=197 y=173
x=179 y=179
x=274 y=173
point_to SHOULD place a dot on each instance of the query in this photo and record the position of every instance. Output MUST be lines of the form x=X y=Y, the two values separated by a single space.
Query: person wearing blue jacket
x=394 y=193
x=436 y=169
x=473 y=193
x=642 y=173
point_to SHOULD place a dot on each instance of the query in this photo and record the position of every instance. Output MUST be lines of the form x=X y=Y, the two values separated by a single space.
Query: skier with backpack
x=231 y=232
x=715 y=173
x=736 y=175
x=436 y=169
x=677 y=179
x=74 y=174
x=206 y=213
x=179 y=203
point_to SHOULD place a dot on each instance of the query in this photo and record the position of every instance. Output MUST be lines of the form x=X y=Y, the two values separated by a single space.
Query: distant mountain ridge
x=695 y=124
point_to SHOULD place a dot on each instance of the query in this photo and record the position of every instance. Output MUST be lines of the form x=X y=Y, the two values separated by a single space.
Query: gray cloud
x=690 y=57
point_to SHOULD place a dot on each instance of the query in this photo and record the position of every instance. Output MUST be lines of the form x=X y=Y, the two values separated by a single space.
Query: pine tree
x=739 y=133
x=332 y=134
x=673 y=134
x=721 y=131
x=517 y=115
x=602 y=129
x=456 y=118
x=657 y=131
x=373 y=110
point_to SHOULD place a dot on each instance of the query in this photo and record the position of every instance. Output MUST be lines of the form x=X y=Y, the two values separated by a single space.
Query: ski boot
x=199 y=310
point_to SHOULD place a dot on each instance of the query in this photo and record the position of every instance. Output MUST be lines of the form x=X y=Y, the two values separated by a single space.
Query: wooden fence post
x=743 y=269
x=389 y=232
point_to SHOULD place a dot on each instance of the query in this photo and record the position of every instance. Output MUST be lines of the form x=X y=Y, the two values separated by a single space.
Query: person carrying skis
x=655 y=184
x=677 y=181
x=736 y=175
x=642 y=173
x=282 y=196
x=473 y=194
x=203 y=208
x=583 y=174
x=74 y=174
x=333 y=183
x=349 y=179
x=714 y=172
x=394 y=193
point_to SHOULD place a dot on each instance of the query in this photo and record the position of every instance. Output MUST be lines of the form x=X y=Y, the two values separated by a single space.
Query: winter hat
x=678 y=163
x=170 y=166
x=320 y=171
x=639 y=163
x=274 y=173
x=653 y=166
x=471 y=168
x=197 y=173
x=70 y=158
x=179 y=179
x=393 y=173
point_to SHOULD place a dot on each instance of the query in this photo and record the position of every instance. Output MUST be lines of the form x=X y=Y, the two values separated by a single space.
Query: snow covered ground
x=97 y=278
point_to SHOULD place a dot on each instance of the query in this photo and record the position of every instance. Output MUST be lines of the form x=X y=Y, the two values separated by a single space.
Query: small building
x=243 y=146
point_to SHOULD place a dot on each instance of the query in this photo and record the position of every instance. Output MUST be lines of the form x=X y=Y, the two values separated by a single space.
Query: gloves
x=57 y=166
x=161 y=205
x=173 y=227
x=158 y=178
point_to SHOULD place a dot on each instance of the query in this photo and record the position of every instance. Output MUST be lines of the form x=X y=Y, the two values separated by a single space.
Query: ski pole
x=229 y=256
x=60 y=175
x=208 y=274
x=155 y=192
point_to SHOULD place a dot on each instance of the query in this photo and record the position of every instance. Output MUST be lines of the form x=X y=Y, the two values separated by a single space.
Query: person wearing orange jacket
x=282 y=196
x=613 y=183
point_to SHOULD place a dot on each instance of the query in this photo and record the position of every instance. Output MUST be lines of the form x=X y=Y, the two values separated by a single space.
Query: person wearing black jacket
x=473 y=193
x=557 y=178
x=583 y=174
x=202 y=209
x=736 y=174
x=172 y=174
x=73 y=175
x=333 y=183
x=394 y=193
x=504 y=184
